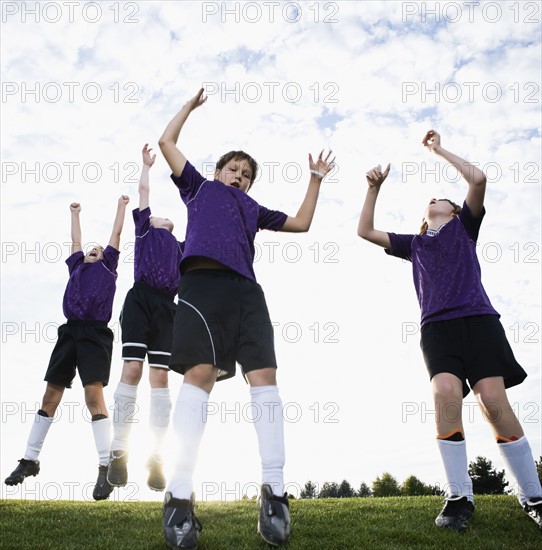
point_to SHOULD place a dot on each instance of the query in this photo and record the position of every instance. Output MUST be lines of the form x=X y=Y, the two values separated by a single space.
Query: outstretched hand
x=322 y=166
x=375 y=177
x=75 y=207
x=431 y=140
x=196 y=101
x=148 y=159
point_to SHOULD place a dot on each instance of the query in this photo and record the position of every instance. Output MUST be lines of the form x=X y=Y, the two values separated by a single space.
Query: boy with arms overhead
x=219 y=303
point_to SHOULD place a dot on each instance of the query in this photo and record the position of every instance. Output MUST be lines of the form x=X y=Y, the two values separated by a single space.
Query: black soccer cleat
x=156 y=480
x=102 y=489
x=117 y=473
x=181 y=526
x=274 y=520
x=455 y=514
x=533 y=507
x=25 y=468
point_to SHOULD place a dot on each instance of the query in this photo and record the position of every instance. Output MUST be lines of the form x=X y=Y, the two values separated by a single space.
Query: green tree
x=486 y=480
x=435 y=490
x=329 y=490
x=386 y=486
x=412 y=487
x=309 y=491
x=364 y=491
x=346 y=490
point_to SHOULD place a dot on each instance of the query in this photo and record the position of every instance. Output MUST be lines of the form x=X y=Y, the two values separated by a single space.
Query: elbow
x=481 y=180
x=164 y=142
x=363 y=233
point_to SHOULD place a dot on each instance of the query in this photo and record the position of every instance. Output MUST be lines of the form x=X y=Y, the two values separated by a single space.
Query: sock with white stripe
x=159 y=417
x=37 y=435
x=454 y=457
x=518 y=457
x=269 y=423
x=189 y=420
x=123 y=415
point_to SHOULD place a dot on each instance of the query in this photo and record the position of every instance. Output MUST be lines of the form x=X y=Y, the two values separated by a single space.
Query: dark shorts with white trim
x=85 y=346
x=471 y=348
x=146 y=322
x=222 y=318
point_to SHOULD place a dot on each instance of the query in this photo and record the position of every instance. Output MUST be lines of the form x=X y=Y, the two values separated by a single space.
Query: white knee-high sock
x=269 y=423
x=454 y=457
x=189 y=420
x=37 y=436
x=159 y=418
x=102 y=437
x=123 y=415
x=518 y=457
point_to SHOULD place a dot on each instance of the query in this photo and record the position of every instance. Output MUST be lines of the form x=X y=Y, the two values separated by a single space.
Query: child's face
x=439 y=208
x=162 y=223
x=94 y=255
x=236 y=173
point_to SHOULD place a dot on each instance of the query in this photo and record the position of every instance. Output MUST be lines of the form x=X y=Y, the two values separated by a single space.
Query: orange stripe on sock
x=501 y=439
x=447 y=436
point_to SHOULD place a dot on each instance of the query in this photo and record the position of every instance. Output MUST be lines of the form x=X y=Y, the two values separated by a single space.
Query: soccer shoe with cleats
x=274 y=520
x=156 y=480
x=117 y=473
x=455 y=514
x=181 y=526
x=102 y=489
x=25 y=469
x=533 y=507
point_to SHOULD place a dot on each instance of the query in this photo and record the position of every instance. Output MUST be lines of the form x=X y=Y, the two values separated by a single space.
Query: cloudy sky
x=85 y=85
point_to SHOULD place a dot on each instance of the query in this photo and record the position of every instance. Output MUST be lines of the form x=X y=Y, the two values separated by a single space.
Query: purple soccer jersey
x=222 y=221
x=91 y=287
x=157 y=254
x=446 y=270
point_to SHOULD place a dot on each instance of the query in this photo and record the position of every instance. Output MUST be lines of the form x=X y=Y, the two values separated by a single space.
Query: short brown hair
x=239 y=155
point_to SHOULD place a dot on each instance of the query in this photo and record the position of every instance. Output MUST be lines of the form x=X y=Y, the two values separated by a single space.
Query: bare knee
x=52 y=398
x=158 y=377
x=94 y=399
x=131 y=372
x=203 y=376
x=492 y=398
x=262 y=377
x=447 y=388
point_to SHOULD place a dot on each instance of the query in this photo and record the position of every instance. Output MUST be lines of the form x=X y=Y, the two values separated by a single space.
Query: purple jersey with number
x=157 y=254
x=446 y=271
x=222 y=221
x=91 y=287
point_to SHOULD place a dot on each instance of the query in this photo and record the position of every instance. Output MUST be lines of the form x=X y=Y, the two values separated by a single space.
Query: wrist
x=317 y=174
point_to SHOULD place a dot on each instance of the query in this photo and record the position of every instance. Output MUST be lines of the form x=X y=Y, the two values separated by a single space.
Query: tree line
x=486 y=480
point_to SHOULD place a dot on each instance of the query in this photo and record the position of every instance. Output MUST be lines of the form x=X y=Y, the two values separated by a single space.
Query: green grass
x=327 y=524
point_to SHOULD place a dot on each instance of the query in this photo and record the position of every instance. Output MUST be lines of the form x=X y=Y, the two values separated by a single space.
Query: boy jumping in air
x=219 y=305
x=147 y=325
x=84 y=343
x=462 y=339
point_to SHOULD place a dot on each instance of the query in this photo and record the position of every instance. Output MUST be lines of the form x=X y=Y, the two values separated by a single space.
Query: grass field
x=334 y=524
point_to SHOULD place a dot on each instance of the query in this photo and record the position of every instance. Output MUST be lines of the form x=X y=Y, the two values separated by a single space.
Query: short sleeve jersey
x=222 y=221
x=446 y=271
x=157 y=254
x=91 y=287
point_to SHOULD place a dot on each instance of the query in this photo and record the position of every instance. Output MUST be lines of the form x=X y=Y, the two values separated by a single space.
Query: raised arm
x=168 y=141
x=303 y=219
x=475 y=178
x=144 y=189
x=75 y=209
x=114 y=240
x=366 y=230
